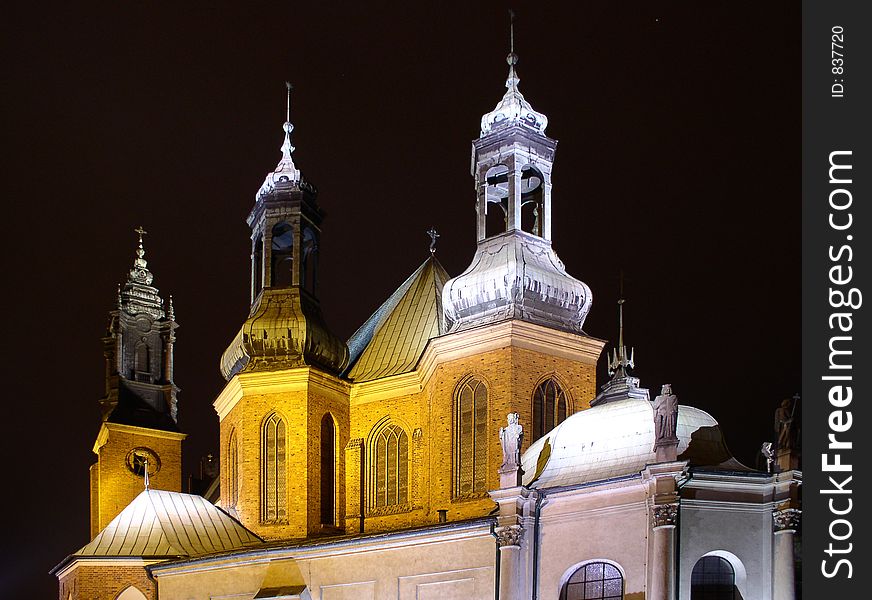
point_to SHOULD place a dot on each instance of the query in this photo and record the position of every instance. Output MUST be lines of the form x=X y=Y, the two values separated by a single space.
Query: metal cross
x=433 y=235
x=141 y=232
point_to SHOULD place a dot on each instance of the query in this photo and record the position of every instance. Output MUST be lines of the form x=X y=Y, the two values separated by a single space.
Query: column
x=661 y=570
x=785 y=523
x=509 y=543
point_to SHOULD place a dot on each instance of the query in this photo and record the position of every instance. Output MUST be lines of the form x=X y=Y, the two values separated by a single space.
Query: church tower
x=516 y=287
x=284 y=411
x=138 y=432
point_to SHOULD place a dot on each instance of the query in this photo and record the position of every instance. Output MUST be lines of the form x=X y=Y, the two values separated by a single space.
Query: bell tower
x=139 y=409
x=284 y=410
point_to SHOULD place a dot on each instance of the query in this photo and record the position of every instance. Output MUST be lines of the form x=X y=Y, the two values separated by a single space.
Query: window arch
x=594 y=581
x=713 y=578
x=328 y=470
x=470 y=438
x=390 y=467
x=550 y=406
x=274 y=497
x=130 y=593
x=233 y=468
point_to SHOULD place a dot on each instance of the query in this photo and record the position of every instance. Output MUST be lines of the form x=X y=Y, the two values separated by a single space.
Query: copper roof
x=161 y=523
x=393 y=338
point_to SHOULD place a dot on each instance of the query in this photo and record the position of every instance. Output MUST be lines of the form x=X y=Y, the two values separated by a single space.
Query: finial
x=118 y=297
x=287 y=147
x=511 y=31
x=512 y=58
x=145 y=470
x=433 y=235
x=171 y=313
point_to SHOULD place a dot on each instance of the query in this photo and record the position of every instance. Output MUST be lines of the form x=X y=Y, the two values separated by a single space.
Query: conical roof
x=392 y=340
x=165 y=524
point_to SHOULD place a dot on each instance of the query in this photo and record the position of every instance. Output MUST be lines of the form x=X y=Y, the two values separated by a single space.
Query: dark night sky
x=678 y=162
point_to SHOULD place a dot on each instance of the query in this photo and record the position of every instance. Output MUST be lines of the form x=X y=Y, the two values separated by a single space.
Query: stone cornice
x=272 y=382
x=445 y=348
x=107 y=426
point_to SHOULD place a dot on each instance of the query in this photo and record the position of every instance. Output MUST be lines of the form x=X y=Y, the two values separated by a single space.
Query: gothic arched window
x=390 y=464
x=328 y=470
x=594 y=581
x=549 y=407
x=713 y=578
x=470 y=438
x=282 y=253
x=233 y=468
x=273 y=497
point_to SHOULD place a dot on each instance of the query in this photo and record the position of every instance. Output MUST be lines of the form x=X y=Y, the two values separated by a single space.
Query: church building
x=457 y=446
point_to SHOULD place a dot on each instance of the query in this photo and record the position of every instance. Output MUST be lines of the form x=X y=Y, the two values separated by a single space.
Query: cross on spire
x=433 y=235
x=141 y=232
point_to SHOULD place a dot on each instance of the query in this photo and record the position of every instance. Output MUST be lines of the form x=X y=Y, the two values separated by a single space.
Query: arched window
x=470 y=438
x=390 y=463
x=532 y=208
x=497 y=200
x=713 y=578
x=549 y=407
x=282 y=252
x=142 y=362
x=233 y=469
x=328 y=470
x=594 y=581
x=130 y=593
x=274 y=497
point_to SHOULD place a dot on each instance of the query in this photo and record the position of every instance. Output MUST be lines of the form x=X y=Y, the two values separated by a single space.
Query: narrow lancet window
x=274 y=497
x=549 y=407
x=470 y=438
x=233 y=469
x=328 y=470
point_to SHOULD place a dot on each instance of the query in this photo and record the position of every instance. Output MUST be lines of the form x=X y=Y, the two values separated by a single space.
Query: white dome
x=616 y=439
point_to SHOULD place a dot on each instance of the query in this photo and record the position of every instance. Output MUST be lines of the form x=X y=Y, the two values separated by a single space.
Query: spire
x=286 y=171
x=513 y=109
x=620 y=361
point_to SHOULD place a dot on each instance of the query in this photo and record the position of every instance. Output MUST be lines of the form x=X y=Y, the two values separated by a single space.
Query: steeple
x=621 y=384
x=138 y=347
x=515 y=273
x=285 y=327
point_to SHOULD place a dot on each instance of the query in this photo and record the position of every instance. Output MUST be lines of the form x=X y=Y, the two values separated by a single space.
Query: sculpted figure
x=784 y=425
x=510 y=439
x=666 y=414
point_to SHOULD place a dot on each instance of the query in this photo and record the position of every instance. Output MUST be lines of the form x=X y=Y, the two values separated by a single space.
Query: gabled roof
x=393 y=338
x=161 y=523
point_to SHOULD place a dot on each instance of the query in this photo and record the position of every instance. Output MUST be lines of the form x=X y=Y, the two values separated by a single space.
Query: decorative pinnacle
x=433 y=235
x=512 y=58
x=171 y=313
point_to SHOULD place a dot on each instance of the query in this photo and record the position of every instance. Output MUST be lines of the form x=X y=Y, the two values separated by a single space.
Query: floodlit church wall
x=510 y=374
x=222 y=579
x=741 y=533
x=606 y=525
x=116 y=485
x=439 y=569
x=105 y=581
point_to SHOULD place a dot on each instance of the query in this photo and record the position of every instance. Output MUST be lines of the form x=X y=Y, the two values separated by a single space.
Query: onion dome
x=513 y=109
x=516 y=275
x=616 y=439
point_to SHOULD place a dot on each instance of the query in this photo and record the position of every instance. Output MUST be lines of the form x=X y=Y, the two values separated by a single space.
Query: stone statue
x=510 y=439
x=784 y=425
x=665 y=415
